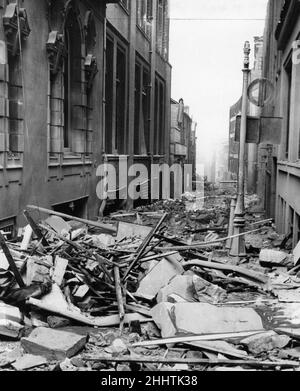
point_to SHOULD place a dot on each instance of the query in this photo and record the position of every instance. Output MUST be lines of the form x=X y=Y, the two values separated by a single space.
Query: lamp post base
x=238 y=249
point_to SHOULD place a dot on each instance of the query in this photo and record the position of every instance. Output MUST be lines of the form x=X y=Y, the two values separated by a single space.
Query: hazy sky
x=207 y=58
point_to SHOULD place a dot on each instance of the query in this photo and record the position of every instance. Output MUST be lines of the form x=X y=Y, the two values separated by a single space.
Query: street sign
x=260 y=130
x=260 y=92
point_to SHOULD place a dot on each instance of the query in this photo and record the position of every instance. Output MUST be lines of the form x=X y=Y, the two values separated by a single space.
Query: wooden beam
x=144 y=245
x=220 y=266
x=207 y=244
x=106 y=227
x=195 y=338
x=195 y=361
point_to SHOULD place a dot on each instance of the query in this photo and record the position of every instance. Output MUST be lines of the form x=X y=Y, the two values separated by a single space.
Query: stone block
x=204 y=318
x=53 y=344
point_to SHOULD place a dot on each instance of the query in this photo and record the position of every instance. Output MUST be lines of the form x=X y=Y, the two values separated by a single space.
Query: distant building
x=222 y=162
x=183 y=136
x=192 y=149
x=180 y=128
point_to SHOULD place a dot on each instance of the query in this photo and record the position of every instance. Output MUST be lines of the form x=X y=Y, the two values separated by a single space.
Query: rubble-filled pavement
x=150 y=289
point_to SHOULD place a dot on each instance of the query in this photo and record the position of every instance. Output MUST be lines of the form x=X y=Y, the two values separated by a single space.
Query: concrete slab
x=203 y=318
x=53 y=344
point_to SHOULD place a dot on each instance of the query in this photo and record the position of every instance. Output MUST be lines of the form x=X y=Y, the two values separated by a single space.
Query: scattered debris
x=159 y=276
x=265 y=342
x=296 y=254
x=151 y=289
x=269 y=258
x=11 y=321
x=192 y=288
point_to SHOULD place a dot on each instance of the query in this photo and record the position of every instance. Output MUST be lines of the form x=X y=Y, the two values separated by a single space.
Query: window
x=77 y=208
x=142 y=109
x=67 y=100
x=115 y=96
x=16 y=30
x=15 y=96
x=74 y=111
x=120 y=100
x=146 y=108
x=156 y=115
x=159 y=117
x=162 y=28
x=56 y=113
x=289 y=91
x=72 y=71
x=91 y=70
x=144 y=15
x=109 y=95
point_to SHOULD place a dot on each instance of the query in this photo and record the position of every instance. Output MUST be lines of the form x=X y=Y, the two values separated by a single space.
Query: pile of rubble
x=147 y=290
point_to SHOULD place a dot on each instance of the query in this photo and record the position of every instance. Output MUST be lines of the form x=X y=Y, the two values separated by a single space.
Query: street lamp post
x=238 y=243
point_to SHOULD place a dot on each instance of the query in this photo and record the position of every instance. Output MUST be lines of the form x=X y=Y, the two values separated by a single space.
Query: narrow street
x=160 y=293
x=149 y=188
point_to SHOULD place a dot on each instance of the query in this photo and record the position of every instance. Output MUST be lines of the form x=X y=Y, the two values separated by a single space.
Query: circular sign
x=260 y=92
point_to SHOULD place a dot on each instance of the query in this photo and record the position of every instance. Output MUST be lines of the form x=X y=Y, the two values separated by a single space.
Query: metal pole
x=231 y=219
x=238 y=243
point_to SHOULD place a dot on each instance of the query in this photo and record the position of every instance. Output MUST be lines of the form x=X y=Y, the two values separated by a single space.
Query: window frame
x=144 y=15
x=67 y=136
x=159 y=115
x=143 y=98
x=113 y=143
x=162 y=27
x=289 y=74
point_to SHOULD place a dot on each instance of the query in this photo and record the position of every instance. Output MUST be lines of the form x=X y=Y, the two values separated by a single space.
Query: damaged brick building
x=82 y=82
